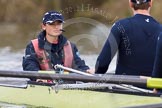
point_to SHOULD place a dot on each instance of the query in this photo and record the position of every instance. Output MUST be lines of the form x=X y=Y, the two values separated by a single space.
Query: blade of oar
x=72 y=70
x=115 y=79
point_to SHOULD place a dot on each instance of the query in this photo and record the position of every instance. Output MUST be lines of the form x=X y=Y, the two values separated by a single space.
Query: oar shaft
x=116 y=79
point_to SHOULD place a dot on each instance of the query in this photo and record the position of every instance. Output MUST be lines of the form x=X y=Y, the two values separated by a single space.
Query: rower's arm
x=108 y=51
x=157 y=70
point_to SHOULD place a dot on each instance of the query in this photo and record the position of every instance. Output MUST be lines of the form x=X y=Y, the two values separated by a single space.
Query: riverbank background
x=87 y=24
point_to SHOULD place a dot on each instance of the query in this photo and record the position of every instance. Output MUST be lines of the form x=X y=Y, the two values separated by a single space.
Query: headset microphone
x=62 y=30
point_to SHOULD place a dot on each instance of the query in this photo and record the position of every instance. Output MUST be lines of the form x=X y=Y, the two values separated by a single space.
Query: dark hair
x=143 y=6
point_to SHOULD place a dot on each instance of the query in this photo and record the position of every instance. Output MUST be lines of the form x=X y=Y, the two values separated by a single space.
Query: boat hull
x=44 y=96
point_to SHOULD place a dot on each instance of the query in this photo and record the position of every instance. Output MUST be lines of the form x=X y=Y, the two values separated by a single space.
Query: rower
x=135 y=40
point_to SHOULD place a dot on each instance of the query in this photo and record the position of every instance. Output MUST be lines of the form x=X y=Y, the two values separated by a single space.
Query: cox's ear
x=130 y=4
x=150 y=3
x=43 y=26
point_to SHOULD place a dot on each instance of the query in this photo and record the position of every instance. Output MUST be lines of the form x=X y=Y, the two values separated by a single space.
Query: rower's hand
x=44 y=81
x=41 y=81
x=155 y=91
x=146 y=77
x=91 y=71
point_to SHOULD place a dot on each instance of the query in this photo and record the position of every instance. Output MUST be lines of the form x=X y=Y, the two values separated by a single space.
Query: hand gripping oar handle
x=71 y=70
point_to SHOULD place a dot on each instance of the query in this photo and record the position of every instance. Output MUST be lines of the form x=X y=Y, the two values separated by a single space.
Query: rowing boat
x=46 y=96
x=93 y=95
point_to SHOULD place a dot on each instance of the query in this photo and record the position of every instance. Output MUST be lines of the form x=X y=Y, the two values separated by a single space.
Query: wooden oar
x=115 y=79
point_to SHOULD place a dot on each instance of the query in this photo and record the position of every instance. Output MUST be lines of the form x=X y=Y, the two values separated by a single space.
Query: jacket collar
x=44 y=44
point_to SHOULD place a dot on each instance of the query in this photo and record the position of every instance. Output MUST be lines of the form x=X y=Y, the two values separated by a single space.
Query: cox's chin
x=56 y=34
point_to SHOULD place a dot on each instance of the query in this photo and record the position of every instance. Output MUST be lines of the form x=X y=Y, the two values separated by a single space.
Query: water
x=10 y=60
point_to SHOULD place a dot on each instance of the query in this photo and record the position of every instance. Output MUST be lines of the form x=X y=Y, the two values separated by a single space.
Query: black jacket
x=135 y=40
x=30 y=61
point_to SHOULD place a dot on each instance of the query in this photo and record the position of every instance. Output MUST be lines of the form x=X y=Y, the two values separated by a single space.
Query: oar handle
x=154 y=83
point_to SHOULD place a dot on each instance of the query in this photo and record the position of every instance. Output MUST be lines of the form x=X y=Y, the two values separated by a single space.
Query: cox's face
x=53 y=29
